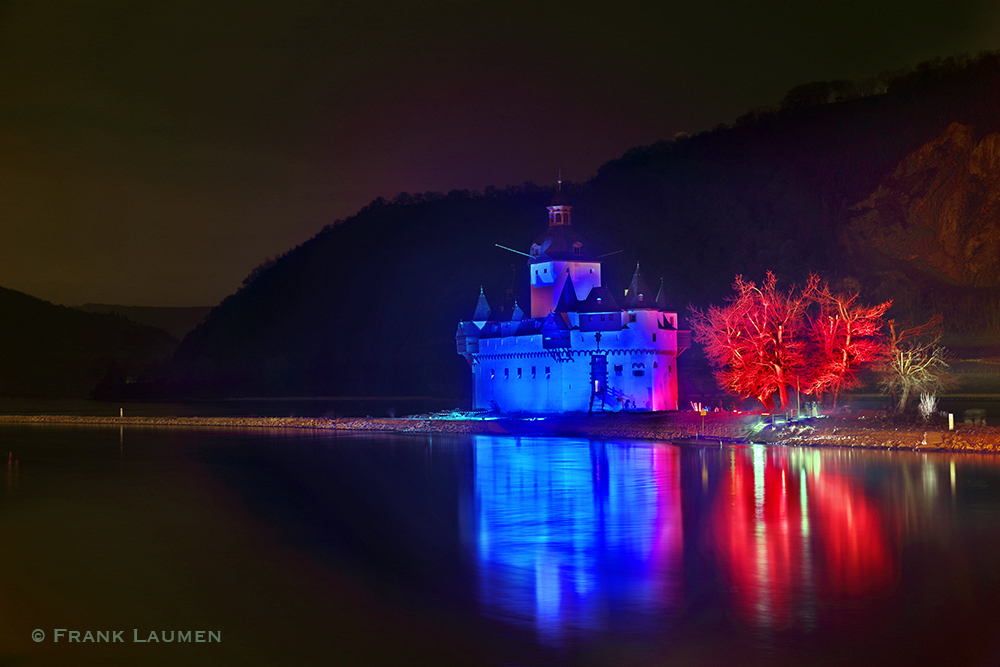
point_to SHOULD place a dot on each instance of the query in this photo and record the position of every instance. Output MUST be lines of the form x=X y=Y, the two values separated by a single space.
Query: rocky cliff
x=936 y=218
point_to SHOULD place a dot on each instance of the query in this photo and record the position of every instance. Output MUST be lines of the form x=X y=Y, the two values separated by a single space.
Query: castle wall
x=549 y=278
x=518 y=375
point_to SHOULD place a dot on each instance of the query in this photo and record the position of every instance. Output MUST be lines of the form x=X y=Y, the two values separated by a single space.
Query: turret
x=556 y=255
x=482 y=314
x=638 y=295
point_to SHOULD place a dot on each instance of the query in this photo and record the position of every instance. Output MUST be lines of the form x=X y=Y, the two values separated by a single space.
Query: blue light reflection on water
x=569 y=537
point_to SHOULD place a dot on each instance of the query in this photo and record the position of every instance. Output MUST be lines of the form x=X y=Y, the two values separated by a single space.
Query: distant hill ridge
x=177 y=321
x=55 y=351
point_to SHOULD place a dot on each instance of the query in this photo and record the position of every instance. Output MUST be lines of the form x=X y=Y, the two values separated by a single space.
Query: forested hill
x=369 y=305
x=176 y=321
x=54 y=351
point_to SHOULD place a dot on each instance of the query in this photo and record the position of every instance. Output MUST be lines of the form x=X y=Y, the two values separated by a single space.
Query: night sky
x=153 y=153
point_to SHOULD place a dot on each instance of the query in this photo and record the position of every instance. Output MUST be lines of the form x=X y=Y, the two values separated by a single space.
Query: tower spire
x=482 y=310
x=638 y=294
x=559 y=209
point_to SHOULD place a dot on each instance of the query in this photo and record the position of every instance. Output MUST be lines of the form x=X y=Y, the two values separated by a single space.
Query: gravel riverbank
x=866 y=430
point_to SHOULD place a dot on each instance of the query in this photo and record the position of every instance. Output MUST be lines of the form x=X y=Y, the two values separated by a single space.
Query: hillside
x=55 y=351
x=369 y=305
x=176 y=321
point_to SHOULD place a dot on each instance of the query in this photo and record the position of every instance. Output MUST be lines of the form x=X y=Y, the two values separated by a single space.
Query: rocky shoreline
x=865 y=430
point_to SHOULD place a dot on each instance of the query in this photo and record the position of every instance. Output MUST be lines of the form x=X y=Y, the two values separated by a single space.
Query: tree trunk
x=782 y=388
x=904 y=397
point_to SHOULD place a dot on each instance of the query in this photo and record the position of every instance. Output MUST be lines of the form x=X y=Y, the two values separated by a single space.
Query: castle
x=579 y=350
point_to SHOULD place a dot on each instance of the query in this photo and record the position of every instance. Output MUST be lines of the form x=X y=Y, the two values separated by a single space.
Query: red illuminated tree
x=845 y=336
x=765 y=340
x=759 y=340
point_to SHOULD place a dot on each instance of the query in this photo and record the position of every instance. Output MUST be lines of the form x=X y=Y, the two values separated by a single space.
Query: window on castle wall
x=631 y=317
x=654 y=338
x=577 y=250
x=506 y=374
x=638 y=372
x=518 y=373
x=532 y=372
x=493 y=373
x=656 y=365
x=602 y=318
x=548 y=372
x=618 y=369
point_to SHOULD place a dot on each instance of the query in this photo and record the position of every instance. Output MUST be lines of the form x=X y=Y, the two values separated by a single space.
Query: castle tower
x=556 y=255
x=582 y=348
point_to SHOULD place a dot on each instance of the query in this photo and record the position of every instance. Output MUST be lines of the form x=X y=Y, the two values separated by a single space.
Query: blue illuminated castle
x=579 y=350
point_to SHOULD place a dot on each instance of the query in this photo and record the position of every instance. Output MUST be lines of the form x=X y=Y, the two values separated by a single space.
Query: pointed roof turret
x=599 y=301
x=661 y=298
x=482 y=310
x=638 y=294
x=567 y=299
x=554 y=323
x=517 y=313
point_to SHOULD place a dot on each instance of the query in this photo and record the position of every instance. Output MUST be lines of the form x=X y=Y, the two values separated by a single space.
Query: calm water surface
x=329 y=407
x=311 y=548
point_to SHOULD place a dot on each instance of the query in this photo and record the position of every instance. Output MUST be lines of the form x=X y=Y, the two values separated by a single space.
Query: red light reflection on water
x=859 y=560
x=773 y=520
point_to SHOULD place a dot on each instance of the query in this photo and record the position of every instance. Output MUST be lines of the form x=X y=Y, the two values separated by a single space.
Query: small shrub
x=927 y=406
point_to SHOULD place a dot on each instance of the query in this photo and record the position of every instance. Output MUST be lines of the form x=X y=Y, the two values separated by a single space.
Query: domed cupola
x=559 y=209
x=558 y=256
x=560 y=241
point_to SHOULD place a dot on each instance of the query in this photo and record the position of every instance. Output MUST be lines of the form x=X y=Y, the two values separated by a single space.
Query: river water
x=316 y=548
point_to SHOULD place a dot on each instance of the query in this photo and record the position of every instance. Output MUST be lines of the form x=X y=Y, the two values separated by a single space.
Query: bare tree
x=915 y=363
